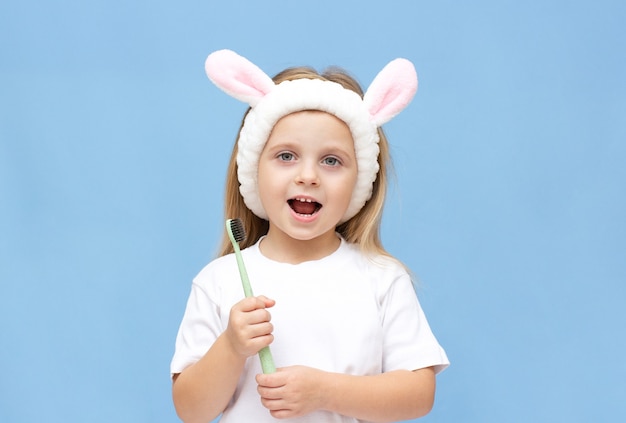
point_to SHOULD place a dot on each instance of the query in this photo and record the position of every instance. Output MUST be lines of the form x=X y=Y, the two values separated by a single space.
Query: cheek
x=349 y=183
x=344 y=188
x=266 y=185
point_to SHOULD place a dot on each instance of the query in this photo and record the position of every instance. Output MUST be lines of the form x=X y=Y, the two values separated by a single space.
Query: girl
x=307 y=178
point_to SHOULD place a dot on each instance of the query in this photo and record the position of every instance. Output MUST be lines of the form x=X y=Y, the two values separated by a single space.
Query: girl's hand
x=292 y=391
x=249 y=328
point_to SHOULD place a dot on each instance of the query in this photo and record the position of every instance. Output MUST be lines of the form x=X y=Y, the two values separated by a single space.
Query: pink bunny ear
x=391 y=91
x=237 y=76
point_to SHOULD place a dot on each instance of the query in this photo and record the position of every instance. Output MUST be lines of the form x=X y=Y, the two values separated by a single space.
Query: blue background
x=509 y=205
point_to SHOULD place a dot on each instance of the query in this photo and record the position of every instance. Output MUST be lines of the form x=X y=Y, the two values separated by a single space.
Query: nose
x=307 y=174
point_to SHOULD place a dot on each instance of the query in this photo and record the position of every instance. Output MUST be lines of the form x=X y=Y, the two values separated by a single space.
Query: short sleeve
x=200 y=327
x=408 y=342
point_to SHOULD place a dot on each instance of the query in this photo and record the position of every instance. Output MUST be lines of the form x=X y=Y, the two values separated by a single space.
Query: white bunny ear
x=237 y=76
x=391 y=91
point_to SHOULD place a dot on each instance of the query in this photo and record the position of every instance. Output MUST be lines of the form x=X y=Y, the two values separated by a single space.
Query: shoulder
x=216 y=265
x=381 y=270
x=374 y=262
x=215 y=274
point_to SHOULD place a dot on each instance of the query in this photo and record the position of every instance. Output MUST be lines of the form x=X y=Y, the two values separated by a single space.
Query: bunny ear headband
x=389 y=93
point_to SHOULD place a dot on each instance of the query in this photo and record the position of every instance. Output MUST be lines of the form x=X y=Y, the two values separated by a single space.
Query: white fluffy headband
x=389 y=93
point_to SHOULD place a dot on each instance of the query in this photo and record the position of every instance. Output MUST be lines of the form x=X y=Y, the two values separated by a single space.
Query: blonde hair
x=362 y=229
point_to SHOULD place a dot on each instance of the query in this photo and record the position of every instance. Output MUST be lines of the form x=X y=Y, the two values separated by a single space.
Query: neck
x=280 y=247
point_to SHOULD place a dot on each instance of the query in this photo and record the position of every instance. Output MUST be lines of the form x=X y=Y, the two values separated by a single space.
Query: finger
x=250 y=304
x=268 y=302
x=268 y=394
x=282 y=413
x=258 y=316
x=260 y=330
x=274 y=404
x=261 y=342
x=245 y=305
x=270 y=380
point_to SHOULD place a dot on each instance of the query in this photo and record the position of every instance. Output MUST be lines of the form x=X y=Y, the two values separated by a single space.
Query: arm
x=388 y=397
x=202 y=391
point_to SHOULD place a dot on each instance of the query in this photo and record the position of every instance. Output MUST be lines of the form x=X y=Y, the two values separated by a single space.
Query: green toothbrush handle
x=267 y=362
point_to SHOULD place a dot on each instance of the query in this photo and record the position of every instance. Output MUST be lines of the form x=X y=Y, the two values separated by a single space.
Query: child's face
x=307 y=172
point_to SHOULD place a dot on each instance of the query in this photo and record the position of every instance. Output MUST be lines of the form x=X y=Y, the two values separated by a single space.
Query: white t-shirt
x=345 y=313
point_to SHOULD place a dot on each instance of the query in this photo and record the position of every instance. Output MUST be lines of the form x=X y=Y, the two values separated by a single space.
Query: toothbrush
x=237 y=234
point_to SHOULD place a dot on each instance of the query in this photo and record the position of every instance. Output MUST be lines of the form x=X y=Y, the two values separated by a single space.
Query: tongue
x=302 y=207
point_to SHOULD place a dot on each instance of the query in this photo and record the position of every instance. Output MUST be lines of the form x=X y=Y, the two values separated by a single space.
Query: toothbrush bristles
x=236 y=227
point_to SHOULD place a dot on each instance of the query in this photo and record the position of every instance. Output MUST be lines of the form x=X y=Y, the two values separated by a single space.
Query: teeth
x=304 y=200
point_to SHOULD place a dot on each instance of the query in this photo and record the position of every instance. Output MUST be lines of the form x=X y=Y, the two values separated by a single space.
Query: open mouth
x=304 y=206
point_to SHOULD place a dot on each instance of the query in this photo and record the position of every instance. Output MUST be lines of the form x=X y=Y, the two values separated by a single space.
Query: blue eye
x=286 y=157
x=331 y=161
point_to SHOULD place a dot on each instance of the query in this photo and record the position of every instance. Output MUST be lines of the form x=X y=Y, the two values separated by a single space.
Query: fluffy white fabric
x=308 y=94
